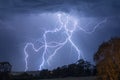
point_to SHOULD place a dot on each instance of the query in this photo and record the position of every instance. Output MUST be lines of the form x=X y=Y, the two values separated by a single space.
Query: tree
x=44 y=74
x=5 y=69
x=107 y=60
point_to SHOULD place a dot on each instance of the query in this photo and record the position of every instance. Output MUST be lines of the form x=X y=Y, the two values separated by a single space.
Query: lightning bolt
x=64 y=20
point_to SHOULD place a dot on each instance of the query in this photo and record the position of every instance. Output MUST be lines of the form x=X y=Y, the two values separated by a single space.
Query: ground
x=74 y=78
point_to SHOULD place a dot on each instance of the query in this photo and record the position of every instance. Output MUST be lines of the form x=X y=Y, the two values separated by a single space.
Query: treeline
x=80 y=68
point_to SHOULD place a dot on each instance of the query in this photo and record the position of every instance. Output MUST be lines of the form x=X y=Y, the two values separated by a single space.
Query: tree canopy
x=107 y=60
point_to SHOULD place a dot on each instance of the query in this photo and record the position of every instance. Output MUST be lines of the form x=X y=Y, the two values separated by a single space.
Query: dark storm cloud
x=8 y=42
x=88 y=7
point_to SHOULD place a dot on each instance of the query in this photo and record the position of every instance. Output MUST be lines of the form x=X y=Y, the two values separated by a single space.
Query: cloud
x=88 y=7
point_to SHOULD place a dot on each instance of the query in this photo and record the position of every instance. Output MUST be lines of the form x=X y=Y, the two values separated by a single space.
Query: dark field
x=73 y=78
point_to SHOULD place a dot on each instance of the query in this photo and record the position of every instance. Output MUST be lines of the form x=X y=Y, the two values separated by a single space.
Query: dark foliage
x=107 y=60
x=80 y=68
x=5 y=69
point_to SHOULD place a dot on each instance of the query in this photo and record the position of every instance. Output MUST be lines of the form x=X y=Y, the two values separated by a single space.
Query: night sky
x=23 y=21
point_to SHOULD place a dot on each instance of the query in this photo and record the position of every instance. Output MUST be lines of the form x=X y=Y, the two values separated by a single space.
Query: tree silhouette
x=80 y=68
x=5 y=69
x=107 y=60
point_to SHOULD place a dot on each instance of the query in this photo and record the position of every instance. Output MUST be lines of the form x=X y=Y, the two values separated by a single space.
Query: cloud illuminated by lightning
x=68 y=25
